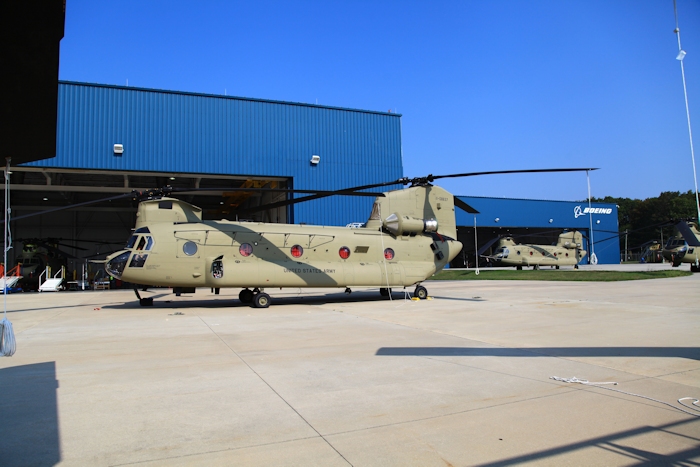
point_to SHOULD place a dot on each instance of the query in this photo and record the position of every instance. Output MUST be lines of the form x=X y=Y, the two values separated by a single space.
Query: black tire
x=421 y=292
x=261 y=300
x=518 y=268
x=694 y=268
x=246 y=296
x=384 y=292
x=536 y=267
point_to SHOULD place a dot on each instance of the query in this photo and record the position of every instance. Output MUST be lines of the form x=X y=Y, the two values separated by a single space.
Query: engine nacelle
x=401 y=225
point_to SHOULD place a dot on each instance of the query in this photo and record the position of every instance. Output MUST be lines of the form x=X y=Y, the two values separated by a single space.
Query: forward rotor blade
x=487 y=246
x=687 y=234
x=63 y=208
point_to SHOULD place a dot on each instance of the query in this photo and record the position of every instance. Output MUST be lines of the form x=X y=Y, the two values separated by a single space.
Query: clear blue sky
x=481 y=85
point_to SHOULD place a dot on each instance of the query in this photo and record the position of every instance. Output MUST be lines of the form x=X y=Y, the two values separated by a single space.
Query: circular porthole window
x=246 y=249
x=388 y=254
x=189 y=248
x=344 y=252
x=297 y=251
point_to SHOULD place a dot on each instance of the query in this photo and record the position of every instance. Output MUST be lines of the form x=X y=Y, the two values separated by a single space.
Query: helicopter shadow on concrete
x=692 y=353
x=29 y=433
x=167 y=300
x=620 y=442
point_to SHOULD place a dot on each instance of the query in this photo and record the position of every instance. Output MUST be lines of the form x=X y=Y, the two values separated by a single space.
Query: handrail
x=46 y=272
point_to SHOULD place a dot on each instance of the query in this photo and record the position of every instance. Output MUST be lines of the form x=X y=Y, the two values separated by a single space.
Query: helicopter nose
x=115 y=266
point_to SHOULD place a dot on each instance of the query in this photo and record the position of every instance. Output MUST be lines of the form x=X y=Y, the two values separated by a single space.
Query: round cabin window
x=297 y=251
x=388 y=254
x=189 y=248
x=246 y=249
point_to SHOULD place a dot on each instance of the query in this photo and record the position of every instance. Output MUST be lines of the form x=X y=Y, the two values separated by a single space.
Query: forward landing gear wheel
x=261 y=300
x=421 y=292
x=384 y=292
x=556 y=267
x=246 y=296
x=694 y=268
x=518 y=268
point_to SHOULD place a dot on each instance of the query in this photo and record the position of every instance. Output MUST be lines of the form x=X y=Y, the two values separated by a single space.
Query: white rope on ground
x=599 y=385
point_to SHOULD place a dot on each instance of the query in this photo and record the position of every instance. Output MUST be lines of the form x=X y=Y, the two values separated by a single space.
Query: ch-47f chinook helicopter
x=410 y=235
x=567 y=251
x=684 y=248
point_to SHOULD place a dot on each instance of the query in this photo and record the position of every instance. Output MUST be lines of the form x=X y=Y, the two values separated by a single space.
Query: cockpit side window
x=142 y=243
x=132 y=241
x=149 y=243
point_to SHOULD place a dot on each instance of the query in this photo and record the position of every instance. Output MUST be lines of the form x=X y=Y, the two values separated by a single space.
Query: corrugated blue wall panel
x=193 y=133
x=537 y=214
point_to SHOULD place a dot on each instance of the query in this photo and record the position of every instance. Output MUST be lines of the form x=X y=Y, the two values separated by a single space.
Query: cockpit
x=502 y=252
x=138 y=246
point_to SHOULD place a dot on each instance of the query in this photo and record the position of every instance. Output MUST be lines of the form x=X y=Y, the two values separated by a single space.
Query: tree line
x=644 y=219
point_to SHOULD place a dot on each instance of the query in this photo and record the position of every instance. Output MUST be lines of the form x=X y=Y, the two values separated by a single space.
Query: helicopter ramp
x=9 y=283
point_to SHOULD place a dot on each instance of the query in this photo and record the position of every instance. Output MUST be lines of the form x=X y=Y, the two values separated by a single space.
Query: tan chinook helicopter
x=684 y=248
x=410 y=235
x=568 y=251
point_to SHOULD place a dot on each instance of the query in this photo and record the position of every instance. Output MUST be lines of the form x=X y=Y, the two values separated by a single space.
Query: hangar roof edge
x=538 y=200
x=219 y=96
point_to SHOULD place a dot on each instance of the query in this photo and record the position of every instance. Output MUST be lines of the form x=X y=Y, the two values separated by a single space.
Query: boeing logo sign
x=578 y=212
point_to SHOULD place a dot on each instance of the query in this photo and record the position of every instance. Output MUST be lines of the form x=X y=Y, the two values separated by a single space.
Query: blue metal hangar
x=114 y=139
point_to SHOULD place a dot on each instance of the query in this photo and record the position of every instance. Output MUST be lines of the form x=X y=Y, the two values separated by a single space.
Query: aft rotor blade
x=464 y=206
x=501 y=172
x=317 y=195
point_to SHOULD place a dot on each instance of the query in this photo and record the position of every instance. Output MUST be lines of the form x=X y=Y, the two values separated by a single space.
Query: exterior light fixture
x=497 y=219
x=172 y=178
x=46 y=199
x=551 y=220
x=315 y=159
x=118 y=149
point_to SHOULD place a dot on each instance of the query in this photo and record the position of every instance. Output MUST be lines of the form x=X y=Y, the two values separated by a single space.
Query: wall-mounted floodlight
x=681 y=55
x=118 y=149
x=497 y=219
x=551 y=220
x=315 y=159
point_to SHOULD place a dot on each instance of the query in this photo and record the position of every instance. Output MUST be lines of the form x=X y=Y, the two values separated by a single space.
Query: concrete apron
x=325 y=378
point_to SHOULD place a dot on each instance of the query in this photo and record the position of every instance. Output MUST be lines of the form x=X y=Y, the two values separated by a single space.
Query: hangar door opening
x=72 y=237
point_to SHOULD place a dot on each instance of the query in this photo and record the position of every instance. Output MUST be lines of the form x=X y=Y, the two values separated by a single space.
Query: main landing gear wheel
x=261 y=300
x=246 y=296
x=518 y=268
x=384 y=292
x=421 y=292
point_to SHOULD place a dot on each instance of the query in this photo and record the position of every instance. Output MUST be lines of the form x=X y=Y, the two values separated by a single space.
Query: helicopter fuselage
x=172 y=247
